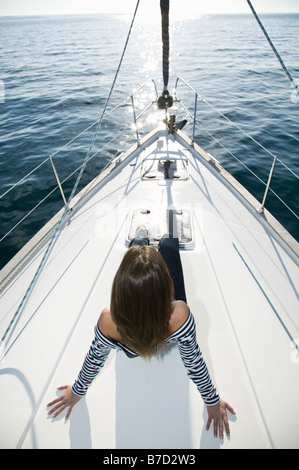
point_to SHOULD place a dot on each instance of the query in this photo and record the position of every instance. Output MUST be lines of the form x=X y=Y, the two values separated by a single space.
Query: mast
x=165 y=100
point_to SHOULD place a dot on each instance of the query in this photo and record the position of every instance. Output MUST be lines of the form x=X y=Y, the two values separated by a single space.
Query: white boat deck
x=242 y=287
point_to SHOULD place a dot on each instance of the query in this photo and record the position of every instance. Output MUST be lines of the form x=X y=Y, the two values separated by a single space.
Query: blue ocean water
x=56 y=73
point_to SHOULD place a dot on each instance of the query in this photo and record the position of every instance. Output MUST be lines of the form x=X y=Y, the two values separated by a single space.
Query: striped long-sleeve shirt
x=192 y=358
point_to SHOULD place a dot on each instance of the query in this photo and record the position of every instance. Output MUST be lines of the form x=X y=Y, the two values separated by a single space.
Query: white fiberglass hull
x=242 y=287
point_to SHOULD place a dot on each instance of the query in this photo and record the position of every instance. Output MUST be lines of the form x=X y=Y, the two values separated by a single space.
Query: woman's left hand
x=67 y=400
x=218 y=414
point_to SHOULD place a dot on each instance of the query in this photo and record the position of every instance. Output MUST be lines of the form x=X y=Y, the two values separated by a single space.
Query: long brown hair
x=141 y=300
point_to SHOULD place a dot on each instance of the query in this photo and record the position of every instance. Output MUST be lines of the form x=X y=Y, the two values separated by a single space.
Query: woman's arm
x=198 y=372
x=94 y=361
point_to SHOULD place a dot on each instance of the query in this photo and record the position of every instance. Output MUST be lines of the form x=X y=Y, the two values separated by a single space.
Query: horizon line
x=124 y=14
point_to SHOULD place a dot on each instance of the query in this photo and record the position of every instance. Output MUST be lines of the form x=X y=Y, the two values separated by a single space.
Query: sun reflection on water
x=146 y=52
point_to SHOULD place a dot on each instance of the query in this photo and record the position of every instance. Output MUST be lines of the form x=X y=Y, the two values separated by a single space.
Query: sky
x=182 y=8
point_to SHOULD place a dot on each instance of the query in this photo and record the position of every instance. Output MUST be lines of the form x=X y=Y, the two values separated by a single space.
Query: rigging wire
x=37 y=273
x=293 y=83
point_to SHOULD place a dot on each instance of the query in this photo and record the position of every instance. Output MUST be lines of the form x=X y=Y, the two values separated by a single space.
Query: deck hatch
x=164 y=168
x=160 y=222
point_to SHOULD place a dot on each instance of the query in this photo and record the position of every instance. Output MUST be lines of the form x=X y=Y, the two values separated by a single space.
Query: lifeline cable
x=293 y=83
x=34 y=279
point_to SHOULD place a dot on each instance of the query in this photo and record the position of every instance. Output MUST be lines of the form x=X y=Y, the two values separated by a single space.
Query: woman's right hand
x=67 y=400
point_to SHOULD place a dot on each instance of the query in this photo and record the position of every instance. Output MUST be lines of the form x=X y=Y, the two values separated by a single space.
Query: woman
x=144 y=318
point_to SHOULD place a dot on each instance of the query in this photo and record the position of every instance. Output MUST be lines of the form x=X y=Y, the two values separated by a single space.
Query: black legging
x=169 y=250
